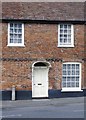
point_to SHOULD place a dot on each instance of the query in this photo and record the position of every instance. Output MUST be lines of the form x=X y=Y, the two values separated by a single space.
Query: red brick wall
x=41 y=42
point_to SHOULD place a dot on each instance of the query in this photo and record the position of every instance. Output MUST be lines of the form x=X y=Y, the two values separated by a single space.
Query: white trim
x=70 y=89
x=73 y=88
x=72 y=36
x=47 y=71
x=16 y=44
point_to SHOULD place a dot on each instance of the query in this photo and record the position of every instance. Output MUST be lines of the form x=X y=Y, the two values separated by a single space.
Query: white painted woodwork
x=40 y=82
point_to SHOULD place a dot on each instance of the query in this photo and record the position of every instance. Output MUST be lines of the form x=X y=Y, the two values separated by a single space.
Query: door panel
x=40 y=82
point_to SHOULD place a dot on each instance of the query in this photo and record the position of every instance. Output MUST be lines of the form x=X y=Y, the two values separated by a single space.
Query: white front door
x=40 y=82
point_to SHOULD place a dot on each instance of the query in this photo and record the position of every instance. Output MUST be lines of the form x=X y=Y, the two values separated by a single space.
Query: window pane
x=77 y=66
x=11 y=40
x=73 y=66
x=64 y=73
x=77 y=72
x=15 y=33
x=69 y=26
x=65 y=26
x=64 y=84
x=19 y=25
x=77 y=78
x=11 y=24
x=68 y=66
x=68 y=79
x=68 y=84
x=69 y=72
x=73 y=79
x=64 y=66
x=19 y=41
x=77 y=84
x=61 y=26
x=73 y=72
x=64 y=79
x=71 y=75
x=72 y=84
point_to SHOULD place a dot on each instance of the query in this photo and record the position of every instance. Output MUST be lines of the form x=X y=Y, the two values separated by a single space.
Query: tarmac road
x=44 y=108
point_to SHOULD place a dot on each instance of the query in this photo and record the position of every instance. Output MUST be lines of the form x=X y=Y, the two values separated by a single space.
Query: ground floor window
x=71 y=76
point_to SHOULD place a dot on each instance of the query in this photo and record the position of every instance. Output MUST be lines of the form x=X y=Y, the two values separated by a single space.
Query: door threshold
x=40 y=97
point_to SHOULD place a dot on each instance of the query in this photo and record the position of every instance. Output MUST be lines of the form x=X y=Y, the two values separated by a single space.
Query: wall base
x=25 y=95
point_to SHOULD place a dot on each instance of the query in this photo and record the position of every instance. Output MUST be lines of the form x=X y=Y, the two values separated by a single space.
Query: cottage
x=43 y=46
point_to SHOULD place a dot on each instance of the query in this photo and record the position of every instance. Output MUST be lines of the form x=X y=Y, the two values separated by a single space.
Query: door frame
x=47 y=65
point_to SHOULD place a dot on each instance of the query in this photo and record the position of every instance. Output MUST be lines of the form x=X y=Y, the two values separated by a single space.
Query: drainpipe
x=13 y=93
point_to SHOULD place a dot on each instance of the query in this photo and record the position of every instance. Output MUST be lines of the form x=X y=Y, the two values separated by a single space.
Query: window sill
x=15 y=45
x=71 y=46
x=71 y=90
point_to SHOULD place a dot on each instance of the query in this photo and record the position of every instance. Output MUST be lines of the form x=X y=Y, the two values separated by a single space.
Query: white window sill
x=71 y=90
x=66 y=46
x=15 y=45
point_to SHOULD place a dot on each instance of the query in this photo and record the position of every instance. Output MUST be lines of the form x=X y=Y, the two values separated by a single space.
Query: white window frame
x=73 y=88
x=16 y=44
x=72 y=36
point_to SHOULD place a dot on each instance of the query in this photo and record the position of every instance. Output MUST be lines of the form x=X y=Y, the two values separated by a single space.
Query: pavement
x=40 y=102
x=44 y=108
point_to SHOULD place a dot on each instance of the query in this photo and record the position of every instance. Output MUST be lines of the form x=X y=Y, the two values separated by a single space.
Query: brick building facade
x=43 y=49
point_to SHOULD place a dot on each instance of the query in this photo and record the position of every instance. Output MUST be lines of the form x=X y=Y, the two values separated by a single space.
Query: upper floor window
x=65 y=35
x=15 y=34
x=71 y=76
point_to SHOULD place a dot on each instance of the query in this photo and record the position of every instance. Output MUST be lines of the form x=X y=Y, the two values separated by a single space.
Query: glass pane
x=15 y=25
x=65 y=36
x=68 y=79
x=68 y=66
x=65 y=40
x=65 y=26
x=72 y=84
x=19 y=41
x=15 y=41
x=65 y=31
x=20 y=36
x=61 y=31
x=11 y=24
x=69 y=40
x=77 y=84
x=73 y=79
x=15 y=30
x=68 y=84
x=61 y=40
x=69 y=26
x=69 y=36
x=77 y=72
x=61 y=26
x=77 y=78
x=64 y=84
x=11 y=36
x=11 y=30
x=64 y=79
x=73 y=72
x=77 y=66
x=64 y=66
x=73 y=66
x=64 y=73
x=19 y=25
x=19 y=30
x=69 y=31
x=11 y=40
x=69 y=72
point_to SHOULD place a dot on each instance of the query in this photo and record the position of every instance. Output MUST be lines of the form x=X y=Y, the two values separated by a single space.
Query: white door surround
x=40 y=71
